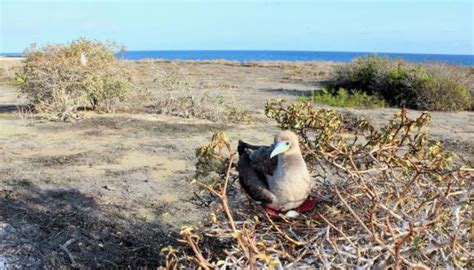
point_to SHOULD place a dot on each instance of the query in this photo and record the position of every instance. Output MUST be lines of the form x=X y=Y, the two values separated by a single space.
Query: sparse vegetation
x=63 y=186
x=429 y=87
x=389 y=198
x=26 y=114
x=60 y=79
x=344 y=98
x=179 y=96
x=8 y=68
x=302 y=72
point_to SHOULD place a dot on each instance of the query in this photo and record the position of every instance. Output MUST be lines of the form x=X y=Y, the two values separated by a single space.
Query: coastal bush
x=59 y=79
x=344 y=98
x=400 y=83
x=387 y=197
x=180 y=96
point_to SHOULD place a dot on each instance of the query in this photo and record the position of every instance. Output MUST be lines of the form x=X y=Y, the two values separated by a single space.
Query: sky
x=442 y=27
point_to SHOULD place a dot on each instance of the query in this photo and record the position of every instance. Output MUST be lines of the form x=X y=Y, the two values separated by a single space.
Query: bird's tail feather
x=241 y=147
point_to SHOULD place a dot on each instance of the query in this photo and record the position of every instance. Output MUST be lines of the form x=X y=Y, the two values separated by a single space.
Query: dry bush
x=432 y=86
x=389 y=198
x=27 y=115
x=212 y=162
x=453 y=88
x=180 y=96
x=59 y=79
x=302 y=72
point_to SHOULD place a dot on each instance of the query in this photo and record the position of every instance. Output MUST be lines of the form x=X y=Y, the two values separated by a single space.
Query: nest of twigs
x=389 y=198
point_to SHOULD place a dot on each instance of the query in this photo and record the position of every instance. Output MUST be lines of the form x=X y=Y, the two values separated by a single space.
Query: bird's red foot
x=307 y=206
x=272 y=212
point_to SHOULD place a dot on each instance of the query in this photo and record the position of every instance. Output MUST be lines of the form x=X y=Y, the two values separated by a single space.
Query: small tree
x=61 y=78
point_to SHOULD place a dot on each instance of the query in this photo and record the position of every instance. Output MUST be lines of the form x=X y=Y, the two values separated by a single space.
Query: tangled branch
x=390 y=197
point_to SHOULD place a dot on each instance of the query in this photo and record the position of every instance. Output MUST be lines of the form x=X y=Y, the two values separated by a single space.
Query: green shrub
x=344 y=98
x=400 y=83
x=59 y=79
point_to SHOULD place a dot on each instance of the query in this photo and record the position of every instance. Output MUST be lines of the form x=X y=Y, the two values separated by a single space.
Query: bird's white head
x=285 y=142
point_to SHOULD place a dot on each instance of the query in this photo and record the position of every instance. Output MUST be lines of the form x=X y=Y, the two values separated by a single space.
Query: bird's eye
x=287 y=143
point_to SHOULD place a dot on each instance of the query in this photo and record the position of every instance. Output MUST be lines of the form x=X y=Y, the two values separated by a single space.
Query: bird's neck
x=289 y=157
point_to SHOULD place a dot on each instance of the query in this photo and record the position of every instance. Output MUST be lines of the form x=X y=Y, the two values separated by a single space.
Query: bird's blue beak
x=280 y=147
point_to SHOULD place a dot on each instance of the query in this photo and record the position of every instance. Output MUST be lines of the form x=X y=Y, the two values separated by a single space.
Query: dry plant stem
x=338 y=230
x=351 y=211
x=247 y=238
x=396 y=252
x=202 y=261
x=69 y=254
x=222 y=195
x=298 y=243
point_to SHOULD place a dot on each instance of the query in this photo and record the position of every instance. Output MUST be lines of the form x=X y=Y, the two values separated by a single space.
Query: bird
x=83 y=59
x=276 y=175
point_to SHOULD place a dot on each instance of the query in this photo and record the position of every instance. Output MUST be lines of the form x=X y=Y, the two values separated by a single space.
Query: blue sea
x=244 y=56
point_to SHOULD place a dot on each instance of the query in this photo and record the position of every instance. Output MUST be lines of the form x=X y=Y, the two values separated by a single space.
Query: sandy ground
x=114 y=189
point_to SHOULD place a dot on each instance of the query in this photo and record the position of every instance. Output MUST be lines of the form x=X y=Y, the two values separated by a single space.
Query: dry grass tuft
x=9 y=66
x=27 y=115
x=178 y=95
x=301 y=73
x=389 y=198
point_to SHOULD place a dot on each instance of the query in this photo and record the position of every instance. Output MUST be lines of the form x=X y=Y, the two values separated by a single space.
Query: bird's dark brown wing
x=253 y=181
x=254 y=163
x=259 y=157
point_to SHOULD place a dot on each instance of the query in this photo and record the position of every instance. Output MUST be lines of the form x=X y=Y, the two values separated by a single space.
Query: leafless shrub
x=180 y=96
x=459 y=76
x=303 y=72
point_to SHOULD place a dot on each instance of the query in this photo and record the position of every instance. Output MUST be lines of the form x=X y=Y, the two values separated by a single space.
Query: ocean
x=244 y=56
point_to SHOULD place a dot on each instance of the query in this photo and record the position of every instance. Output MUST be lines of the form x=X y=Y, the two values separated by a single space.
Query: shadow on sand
x=63 y=228
x=9 y=108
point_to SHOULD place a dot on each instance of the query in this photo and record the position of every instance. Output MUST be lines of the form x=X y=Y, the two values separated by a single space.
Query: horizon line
x=268 y=50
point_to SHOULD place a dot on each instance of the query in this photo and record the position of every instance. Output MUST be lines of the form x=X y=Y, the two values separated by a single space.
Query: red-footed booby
x=276 y=175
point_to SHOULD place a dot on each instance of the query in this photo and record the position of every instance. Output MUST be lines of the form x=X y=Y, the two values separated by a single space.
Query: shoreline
x=253 y=63
x=464 y=61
